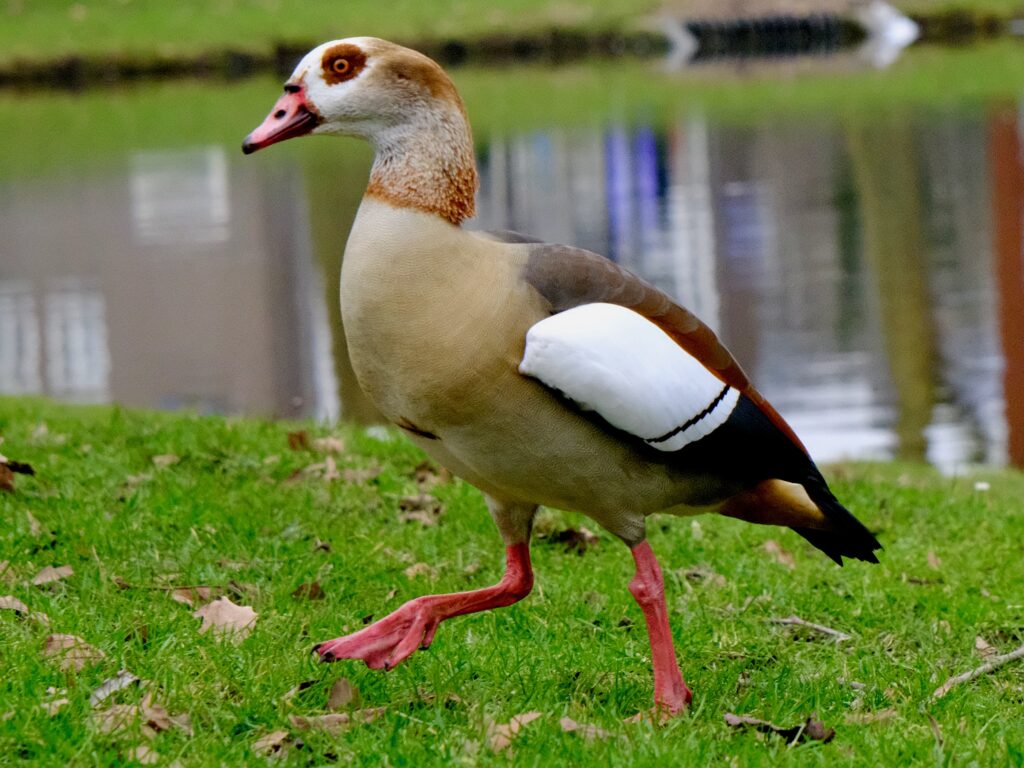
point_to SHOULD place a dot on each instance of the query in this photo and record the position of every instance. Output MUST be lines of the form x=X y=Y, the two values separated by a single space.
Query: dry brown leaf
x=8 y=576
x=779 y=554
x=810 y=730
x=419 y=569
x=298 y=441
x=422 y=508
x=6 y=479
x=577 y=540
x=311 y=591
x=34 y=526
x=271 y=743
x=934 y=562
x=588 y=732
x=11 y=603
x=73 y=652
x=360 y=475
x=335 y=723
x=701 y=574
x=143 y=755
x=53 y=707
x=329 y=445
x=165 y=460
x=193 y=596
x=866 y=718
x=427 y=475
x=501 y=735
x=226 y=619
x=152 y=718
x=343 y=695
x=123 y=679
x=984 y=650
x=49 y=575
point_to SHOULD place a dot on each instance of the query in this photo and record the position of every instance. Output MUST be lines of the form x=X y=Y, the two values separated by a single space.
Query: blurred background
x=837 y=188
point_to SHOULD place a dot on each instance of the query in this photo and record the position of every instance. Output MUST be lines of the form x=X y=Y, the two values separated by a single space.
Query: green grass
x=47 y=29
x=226 y=513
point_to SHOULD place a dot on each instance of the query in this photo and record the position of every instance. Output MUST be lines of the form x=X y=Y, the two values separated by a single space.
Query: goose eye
x=342 y=62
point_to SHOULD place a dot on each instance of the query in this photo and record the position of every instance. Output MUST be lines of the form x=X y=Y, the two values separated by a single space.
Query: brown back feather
x=568 y=277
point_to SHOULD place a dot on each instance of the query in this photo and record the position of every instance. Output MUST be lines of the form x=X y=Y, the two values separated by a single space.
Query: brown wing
x=568 y=277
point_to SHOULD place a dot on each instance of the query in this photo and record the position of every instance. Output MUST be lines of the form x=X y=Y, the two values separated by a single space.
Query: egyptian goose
x=541 y=374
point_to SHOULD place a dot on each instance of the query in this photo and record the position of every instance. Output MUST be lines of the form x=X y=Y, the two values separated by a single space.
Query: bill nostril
x=280 y=114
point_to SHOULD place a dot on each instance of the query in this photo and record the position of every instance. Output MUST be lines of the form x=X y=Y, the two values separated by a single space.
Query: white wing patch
x=611 y=360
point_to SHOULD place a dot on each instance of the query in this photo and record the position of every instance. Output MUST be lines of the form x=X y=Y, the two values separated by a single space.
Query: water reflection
x=868 y=274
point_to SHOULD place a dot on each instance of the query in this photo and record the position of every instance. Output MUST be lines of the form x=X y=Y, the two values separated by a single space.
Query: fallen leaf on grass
x=54 y=706
x=809 y=730
x=360 y=475
x=577 y=540
x=271 y=743
x=49 y=575
x=10 y=603
x=327 y=470
x=73 y=652
x=165 y=460
x=419 y=569
x=337 y=722
x=934 y=562
x=6 y=479
x=703 y=575
x=35 y=528
x=422 y=508
x=121 y=717
x=193 y=596
x=9 y=468
x=343 y=694
x=123 y=679
x=866 y=718
x=329 y=445
x=7 y=574
x=226 y=619
x=984 y=650
x=779 y=554
x=427 y=475
x=501 y=735
x=311 y=591
x=298 y=441
x=588 y=732
x=144 y=755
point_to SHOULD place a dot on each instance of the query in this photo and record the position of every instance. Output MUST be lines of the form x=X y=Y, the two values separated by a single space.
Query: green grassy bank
x=143 y=30
x=138 y=504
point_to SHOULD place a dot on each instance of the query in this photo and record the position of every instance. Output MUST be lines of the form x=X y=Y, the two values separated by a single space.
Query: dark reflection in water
x=867 y=274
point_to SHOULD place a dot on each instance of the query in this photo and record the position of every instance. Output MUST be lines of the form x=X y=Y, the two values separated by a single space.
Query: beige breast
x=435 y=319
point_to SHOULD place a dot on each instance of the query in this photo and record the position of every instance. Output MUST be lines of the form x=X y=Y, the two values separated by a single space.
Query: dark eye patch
x=342 y=62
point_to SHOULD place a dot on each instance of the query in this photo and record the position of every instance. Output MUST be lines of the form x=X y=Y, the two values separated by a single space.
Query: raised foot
x=386 y=643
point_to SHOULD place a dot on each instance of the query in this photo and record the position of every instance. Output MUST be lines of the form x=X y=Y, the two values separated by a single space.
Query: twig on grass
x=796 y=621
x=991 y=665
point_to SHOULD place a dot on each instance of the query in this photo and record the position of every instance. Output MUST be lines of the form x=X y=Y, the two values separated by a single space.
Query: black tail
x=848 y=537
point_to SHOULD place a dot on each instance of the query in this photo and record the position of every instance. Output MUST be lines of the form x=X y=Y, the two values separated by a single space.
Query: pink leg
x=388 y=642
x=671 y=696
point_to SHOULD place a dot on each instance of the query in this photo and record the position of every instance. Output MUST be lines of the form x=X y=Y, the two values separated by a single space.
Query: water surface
x=866 y=269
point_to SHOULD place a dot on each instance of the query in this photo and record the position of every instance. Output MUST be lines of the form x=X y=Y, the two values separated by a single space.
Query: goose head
x=396 y=98
x=360 y=86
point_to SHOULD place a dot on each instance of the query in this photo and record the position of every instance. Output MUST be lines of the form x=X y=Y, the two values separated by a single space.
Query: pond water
x=866 y=271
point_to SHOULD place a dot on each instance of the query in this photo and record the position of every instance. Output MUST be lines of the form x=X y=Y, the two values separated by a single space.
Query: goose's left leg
x=671 y=696
x=389 y=641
